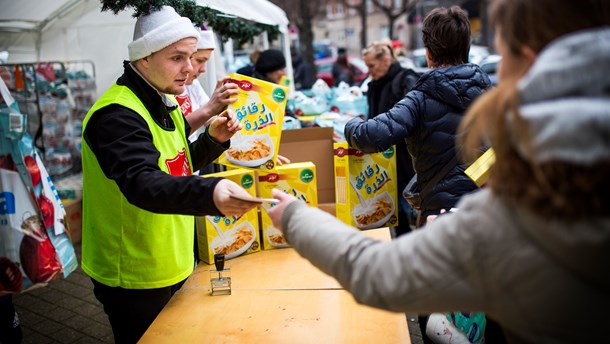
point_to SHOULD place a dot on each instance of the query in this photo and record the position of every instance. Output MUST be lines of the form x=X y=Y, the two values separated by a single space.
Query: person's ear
x=388 y=59
x=145 y=61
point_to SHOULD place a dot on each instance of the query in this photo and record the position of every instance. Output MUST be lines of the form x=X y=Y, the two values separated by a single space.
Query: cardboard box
x=74 y=216
x=330 y=208
x=479 y=170
x=297 y=179
x=229 y=235
x=365 y=187
x=314 y=145
x=260 y=108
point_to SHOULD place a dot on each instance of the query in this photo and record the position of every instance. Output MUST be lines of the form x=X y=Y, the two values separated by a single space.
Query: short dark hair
x=446 y=34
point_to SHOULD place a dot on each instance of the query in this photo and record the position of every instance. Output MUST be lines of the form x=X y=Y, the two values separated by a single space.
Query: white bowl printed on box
x=244 y=143
x=270 y=232
x=229 y=238
x=370 y=208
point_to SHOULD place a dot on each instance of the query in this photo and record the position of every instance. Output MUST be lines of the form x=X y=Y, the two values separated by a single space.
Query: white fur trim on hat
x=158 y=30
x=206 y=40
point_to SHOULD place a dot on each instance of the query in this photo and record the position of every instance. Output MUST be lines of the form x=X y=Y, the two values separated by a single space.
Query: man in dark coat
x=304 y=75
x=342 y=69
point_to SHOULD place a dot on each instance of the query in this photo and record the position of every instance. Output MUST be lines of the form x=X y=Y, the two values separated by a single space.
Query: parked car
x=476 y=54
x=240 y=59
x=322 y=50
x=325 y=67
x=406 y=62
x=418 y=56
x=490 y=66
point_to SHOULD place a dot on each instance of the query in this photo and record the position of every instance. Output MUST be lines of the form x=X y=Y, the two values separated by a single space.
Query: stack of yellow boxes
x=251 y=160
x=231 y=236
x=299 y=180
x=365 y=187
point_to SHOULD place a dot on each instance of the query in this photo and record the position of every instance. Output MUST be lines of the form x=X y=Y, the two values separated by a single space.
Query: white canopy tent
x=260 y=11
x=62 y=30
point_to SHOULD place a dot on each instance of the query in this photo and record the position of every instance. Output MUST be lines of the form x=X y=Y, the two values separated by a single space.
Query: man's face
x=169 y=68
x=378 y=67
x=198 y=60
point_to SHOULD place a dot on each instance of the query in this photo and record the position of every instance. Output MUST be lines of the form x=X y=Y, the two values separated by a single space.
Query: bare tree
x=393 y=12
x=301 y=14
x=359 y=6
x=487 y=30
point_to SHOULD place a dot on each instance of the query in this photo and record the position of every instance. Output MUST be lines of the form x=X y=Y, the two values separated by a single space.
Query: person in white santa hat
x=139 y=192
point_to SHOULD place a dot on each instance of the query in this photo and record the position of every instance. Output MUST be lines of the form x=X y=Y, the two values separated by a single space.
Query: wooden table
x=277 y=297
x=272 y=269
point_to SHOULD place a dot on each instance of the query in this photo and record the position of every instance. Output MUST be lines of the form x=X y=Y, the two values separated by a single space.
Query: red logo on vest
x=185 y=104
x=179 y=166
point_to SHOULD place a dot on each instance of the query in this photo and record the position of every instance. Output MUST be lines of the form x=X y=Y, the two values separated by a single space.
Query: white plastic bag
x=442 y=331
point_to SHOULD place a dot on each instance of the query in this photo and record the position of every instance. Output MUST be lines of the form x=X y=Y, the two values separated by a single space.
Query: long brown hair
x=553 y=189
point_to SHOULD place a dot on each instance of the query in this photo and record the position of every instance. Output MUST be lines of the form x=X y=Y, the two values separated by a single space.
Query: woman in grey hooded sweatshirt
x=531 y=250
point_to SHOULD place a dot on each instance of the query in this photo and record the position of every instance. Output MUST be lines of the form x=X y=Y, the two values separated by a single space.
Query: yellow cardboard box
x=230 y=235
x=260 y=108
x=479 y=170
x=299 y=180
x=365 y=187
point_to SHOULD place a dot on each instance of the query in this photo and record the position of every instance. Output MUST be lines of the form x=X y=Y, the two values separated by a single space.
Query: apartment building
x=341 y=26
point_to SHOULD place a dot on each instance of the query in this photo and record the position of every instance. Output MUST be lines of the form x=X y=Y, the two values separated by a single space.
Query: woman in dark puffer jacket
x=389 y=84
x=428 y=117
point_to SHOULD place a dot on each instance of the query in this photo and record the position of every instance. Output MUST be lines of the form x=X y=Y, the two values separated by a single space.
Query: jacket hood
x=565 y=100
x=460 y=84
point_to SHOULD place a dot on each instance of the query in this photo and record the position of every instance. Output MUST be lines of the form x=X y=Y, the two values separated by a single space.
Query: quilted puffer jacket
x=427 y=120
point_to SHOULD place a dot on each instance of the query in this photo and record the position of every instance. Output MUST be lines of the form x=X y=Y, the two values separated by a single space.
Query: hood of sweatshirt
x=566 y=104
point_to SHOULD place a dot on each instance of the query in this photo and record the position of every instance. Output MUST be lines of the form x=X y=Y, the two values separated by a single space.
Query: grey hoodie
x=543 y=281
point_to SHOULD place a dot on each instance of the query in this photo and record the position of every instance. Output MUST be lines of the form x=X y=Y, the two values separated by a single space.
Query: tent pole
x=288 y=56
x=38 y=44
x=265 y=40
x=210 y=67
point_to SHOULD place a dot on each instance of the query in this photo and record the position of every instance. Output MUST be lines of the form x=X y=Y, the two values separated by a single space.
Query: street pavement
x=64 y=311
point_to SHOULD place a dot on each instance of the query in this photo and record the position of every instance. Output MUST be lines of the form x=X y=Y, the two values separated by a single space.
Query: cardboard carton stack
x=297 y=179
x=365 y=187
x=231 y=236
